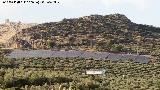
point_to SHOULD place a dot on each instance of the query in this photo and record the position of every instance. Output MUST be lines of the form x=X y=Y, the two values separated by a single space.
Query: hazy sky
x=139 y=11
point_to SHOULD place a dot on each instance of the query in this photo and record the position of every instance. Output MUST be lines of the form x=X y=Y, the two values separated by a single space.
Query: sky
x=138 y=11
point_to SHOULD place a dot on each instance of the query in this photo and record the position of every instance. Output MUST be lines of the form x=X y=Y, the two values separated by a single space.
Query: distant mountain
x=114 y=33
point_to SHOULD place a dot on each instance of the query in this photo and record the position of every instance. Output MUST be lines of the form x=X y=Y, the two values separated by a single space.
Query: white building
x=95 y=72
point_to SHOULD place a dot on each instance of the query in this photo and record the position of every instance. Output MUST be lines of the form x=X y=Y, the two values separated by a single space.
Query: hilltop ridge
x=113 y=32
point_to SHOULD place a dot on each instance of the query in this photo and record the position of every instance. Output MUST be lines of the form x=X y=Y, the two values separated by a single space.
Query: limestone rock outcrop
x=10 y=29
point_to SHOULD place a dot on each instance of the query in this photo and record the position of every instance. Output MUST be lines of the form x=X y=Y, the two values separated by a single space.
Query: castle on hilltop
x=14 y=25
x=7 y=22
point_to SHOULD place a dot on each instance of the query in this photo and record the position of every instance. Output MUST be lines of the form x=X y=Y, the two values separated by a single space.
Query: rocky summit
x=113 y=33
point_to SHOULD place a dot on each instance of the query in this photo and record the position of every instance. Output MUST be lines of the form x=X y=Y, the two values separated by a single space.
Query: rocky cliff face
x=10 y=29
x=113 y=32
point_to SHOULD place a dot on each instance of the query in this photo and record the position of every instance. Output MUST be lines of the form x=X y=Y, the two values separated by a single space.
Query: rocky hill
x=10 y=29
x=114 y=33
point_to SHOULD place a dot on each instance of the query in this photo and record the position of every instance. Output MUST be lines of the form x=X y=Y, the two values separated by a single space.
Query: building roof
x=95 y=72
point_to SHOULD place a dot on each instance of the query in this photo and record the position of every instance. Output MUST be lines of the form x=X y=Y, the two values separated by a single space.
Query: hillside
x=10 y=29
x=114 y=33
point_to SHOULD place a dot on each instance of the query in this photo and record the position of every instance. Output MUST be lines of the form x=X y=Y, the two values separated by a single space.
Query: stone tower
x=7 y=22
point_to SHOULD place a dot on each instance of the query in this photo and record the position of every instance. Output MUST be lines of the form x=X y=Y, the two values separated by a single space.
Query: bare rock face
x=10 y=29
